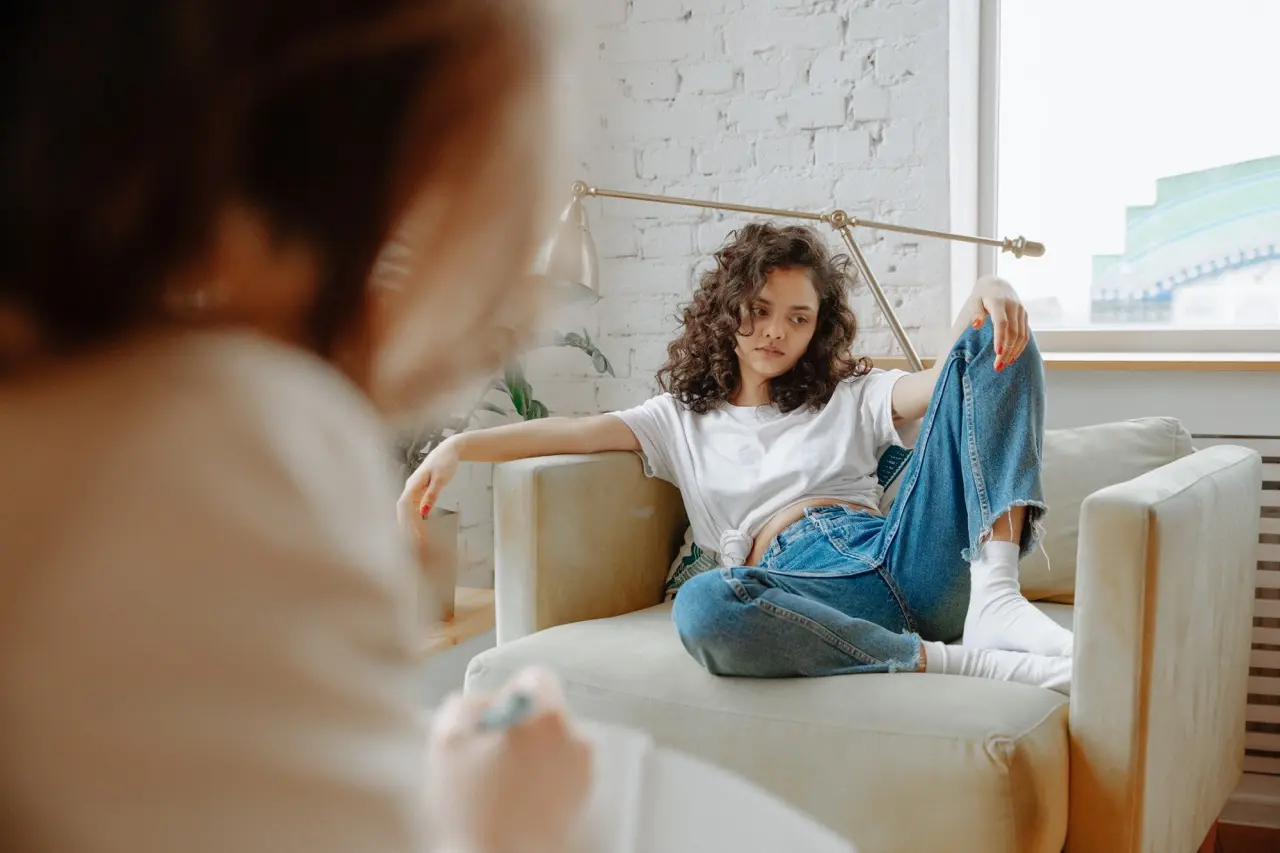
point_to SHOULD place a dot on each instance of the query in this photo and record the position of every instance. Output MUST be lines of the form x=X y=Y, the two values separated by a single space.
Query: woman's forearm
x=912 y=393
x=542 y=437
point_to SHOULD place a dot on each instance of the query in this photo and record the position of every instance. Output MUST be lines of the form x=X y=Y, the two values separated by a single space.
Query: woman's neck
x=752 y=391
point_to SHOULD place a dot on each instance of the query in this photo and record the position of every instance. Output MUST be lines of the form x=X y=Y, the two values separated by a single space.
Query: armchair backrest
x=1077 y=463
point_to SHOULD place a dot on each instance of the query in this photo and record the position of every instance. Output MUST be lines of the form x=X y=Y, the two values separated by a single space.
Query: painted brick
x=713 y=235
x=759 y=33
x=624 y=394
x=814 y=193
x=656 y=10
x=793 y=151
x=708 y=77
x=725 y=156
x=833 y=68
x=615 y=238
x=649 y=82
x=661 y=160
x=659 y=41
x=869 y=101
x=653 y=121
x=667 y=241
x=817 y=110
x=626 y=316
x=614 y=164
x=647 y=355
x=635 y=278
x=699 y=8
x=903 y=59
x=900 y=20
x=604 y=12
x=750 y=114
x=842 y=147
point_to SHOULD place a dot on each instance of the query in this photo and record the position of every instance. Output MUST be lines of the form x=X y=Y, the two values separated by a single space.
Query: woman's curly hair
x=702 y=366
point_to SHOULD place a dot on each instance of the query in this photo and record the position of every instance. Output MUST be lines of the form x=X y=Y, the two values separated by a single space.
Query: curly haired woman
x=772 y=431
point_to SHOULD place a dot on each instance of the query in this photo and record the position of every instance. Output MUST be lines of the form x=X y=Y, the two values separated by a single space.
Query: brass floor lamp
x=569 y=257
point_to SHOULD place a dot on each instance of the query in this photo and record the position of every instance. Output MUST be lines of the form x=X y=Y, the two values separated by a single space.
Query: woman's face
x=779 y=324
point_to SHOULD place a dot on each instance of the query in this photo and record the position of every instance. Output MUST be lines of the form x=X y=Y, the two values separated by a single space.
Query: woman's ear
x=249 y=276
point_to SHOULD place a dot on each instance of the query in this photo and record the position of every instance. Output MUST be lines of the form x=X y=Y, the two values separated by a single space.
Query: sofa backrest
x=1078 y=462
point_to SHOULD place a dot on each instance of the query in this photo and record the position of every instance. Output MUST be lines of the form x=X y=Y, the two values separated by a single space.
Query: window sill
x=1174 y=362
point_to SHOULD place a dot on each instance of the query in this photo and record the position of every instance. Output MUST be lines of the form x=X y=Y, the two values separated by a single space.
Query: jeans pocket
x=826 y=548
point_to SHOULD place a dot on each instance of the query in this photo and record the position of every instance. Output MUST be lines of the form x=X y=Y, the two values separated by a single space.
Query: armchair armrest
x=1163 y=619
x=579 y=537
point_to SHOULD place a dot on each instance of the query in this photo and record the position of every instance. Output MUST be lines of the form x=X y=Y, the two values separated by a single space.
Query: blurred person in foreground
x=207 y=612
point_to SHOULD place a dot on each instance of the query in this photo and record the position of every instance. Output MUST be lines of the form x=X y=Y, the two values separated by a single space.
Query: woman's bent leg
x=815 y=606
x=744 y=621
x=975 y=480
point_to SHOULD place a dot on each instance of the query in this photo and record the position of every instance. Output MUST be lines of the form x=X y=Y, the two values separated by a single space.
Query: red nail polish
x=426 y=510
x=999 y=350
x=999 y=367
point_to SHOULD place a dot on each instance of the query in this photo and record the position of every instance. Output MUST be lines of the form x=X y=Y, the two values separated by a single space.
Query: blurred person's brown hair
x=129 y=126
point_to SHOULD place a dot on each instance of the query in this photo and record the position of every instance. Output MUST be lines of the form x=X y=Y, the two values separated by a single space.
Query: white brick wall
x=810 y=104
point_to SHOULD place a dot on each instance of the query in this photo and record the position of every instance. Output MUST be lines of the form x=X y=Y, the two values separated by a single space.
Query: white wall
x=807 y=104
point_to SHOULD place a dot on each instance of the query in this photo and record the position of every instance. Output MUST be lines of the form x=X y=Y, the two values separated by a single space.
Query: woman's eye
x=758 y=312
x=800 y=321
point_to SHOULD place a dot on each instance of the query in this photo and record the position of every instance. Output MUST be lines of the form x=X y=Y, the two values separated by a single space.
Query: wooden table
x=472 y=616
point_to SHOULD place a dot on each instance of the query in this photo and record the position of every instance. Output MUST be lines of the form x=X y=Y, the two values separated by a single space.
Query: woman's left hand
x=996 y=297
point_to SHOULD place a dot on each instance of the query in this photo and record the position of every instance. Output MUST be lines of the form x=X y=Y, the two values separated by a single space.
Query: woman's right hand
x=520 y=789
x=424 y=486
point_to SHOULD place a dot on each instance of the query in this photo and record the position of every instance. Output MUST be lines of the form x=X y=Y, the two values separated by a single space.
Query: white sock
x=999 y=616
x=1049 y=673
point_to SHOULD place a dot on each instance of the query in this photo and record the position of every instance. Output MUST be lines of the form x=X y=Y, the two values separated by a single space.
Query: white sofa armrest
x=579 y=537
x=1163 y=619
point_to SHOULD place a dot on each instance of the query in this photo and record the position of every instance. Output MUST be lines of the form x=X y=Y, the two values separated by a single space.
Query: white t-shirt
x=737 y=466
x=207 y=618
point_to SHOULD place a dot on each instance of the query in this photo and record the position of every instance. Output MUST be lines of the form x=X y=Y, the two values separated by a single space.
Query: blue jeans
x=843 y=591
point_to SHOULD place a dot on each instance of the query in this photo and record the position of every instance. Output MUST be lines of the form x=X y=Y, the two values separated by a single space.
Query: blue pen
x=506 y=714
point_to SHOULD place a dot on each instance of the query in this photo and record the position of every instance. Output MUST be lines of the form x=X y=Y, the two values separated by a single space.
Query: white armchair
x=1151 y=555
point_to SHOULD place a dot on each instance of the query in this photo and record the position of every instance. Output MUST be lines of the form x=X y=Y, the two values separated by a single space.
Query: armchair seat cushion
x=968 y=764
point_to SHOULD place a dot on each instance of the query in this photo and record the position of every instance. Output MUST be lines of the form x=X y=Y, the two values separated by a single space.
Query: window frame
x=973 y=84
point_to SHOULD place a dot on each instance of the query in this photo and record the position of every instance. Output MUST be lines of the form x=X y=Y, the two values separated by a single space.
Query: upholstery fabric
x=865 y=754
x=1078 y=462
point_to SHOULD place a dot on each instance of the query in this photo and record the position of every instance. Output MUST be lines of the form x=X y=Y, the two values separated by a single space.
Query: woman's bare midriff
x=785 y=519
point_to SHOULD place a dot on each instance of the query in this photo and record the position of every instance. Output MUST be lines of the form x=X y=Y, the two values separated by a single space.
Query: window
x=1137 y=140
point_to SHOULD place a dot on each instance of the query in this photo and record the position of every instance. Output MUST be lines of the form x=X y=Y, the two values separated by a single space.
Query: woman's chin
x=772 y=369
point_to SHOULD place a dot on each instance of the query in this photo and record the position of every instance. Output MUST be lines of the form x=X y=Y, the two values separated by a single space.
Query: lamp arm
x=1017 y=246
x=844 y=224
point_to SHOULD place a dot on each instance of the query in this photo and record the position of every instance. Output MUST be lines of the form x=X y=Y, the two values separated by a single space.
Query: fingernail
x=426 y=510
x=999 y=350
x=999 y=366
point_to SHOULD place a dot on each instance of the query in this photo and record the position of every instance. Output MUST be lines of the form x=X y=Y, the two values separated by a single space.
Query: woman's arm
x=991 y=296
x=544 y=437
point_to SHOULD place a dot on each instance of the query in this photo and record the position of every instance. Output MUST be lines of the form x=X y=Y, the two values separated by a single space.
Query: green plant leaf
x=537 y=409
x=600 y=363
x=518 y=389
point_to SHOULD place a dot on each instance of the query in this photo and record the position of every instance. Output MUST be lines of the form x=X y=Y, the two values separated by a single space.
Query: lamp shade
x=568 y=258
